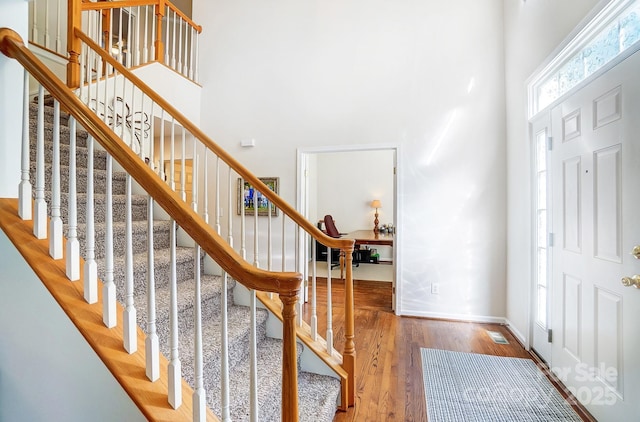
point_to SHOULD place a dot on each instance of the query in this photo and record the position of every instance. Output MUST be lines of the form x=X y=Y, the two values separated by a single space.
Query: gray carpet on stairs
x=318 y=394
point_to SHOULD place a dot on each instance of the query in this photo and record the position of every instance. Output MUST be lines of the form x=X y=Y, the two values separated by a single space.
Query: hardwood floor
x=389 y=384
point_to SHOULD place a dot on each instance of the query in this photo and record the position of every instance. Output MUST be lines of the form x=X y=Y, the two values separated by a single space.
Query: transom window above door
x=612 y=33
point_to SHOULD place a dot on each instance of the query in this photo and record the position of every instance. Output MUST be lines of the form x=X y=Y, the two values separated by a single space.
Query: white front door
x=595 y=179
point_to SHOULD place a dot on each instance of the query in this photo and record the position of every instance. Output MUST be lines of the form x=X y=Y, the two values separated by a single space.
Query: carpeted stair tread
x=138 y=206
x=65 y=131
x=48 y=112
x=238 y=337
x=210 y=292
x=99 y=156
x=317 y=397
x=99 y=179
x=162 y=260
x=139 y=236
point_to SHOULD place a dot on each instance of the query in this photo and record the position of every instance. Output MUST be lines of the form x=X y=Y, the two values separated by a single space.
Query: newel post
x=159 y=50
x=289 y=358
x=74 y=45
x=349 y=353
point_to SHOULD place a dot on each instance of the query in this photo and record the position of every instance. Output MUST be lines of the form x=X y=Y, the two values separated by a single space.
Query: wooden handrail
x=133 y=3
x=184 y=17
x=345 y=244
x=11 y=45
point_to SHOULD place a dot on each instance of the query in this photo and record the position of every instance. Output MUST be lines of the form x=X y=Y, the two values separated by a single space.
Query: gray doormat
x=474 y=387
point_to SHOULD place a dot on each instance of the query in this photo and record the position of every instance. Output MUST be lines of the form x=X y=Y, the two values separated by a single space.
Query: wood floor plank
x=389 y=385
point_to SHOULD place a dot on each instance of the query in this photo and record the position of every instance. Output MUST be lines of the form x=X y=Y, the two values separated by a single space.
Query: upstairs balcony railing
x=134 y=32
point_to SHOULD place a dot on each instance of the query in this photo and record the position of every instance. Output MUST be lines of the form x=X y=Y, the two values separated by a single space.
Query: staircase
x=317 y=393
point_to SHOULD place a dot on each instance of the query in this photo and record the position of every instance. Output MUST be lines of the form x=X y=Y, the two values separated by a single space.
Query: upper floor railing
x=134 y=32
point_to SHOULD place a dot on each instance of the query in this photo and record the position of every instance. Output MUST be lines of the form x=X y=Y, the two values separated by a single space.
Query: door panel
x=572 y=201
x=595 y=168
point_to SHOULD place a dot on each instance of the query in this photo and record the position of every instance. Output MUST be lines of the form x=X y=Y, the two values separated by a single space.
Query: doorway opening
x=344 y=182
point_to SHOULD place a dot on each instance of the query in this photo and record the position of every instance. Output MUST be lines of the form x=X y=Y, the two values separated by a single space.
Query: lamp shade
x=376 y=203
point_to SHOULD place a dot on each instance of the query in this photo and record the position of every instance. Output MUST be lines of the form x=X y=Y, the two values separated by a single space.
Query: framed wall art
x=246 y=194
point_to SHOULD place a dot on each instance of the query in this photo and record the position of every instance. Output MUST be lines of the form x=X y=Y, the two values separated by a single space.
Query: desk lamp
x=376 y=204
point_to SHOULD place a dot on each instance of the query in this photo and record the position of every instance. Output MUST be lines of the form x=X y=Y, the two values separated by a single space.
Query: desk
x=368 y=237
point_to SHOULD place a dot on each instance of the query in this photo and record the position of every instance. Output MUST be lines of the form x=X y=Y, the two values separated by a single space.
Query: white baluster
x=129 y=38
x=269 y=242
x=179 y=68
x=34 y=27
x=109 y=288
x=175 y=372
x=141 y=141
x=253 y=356
x=90 y=265
x=174 y=39
x=120 y=37
x=224 y=338
x=253 y=343
x=166 y=35
x=98 y=79
x=199 y=393
x=25 y=191
x=47 y=38
x=269 y=237
x=154 y=35
x=151 y=345
x=129 y=314
x=72 y=254
x=194 y=187
x=256 y=261
x=131 y=118
x=314 y=308
x=303 y=295
x=114 y=111
x=243 y=248
x=183 y=181
x=40 y=217
x=329 y=306
x=58 y=30
x=172 y=156
x=205 y=199
x=161 y=164
x=136 y=37
x=83 y=70
x=56 y=249
x=283 y=243
x=195 y=73
x=217 y=204
x=192 y=31
x=145 y=46
x=224 y=358
x=230 y=207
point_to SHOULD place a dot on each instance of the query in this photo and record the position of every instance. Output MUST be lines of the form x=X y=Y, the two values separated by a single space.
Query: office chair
x=332 y=230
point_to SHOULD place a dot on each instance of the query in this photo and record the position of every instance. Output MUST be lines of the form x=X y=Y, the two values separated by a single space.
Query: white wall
x=348 y=182
x=179 y=91
x=533 y=30
x=47 y=369
x=13 y=15
x=426 y=75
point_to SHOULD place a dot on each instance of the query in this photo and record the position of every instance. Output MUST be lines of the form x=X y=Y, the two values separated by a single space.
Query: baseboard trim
x=457 y=317
x=521 y=338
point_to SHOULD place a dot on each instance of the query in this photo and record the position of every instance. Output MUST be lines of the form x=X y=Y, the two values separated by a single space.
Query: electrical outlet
x=435 y=288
